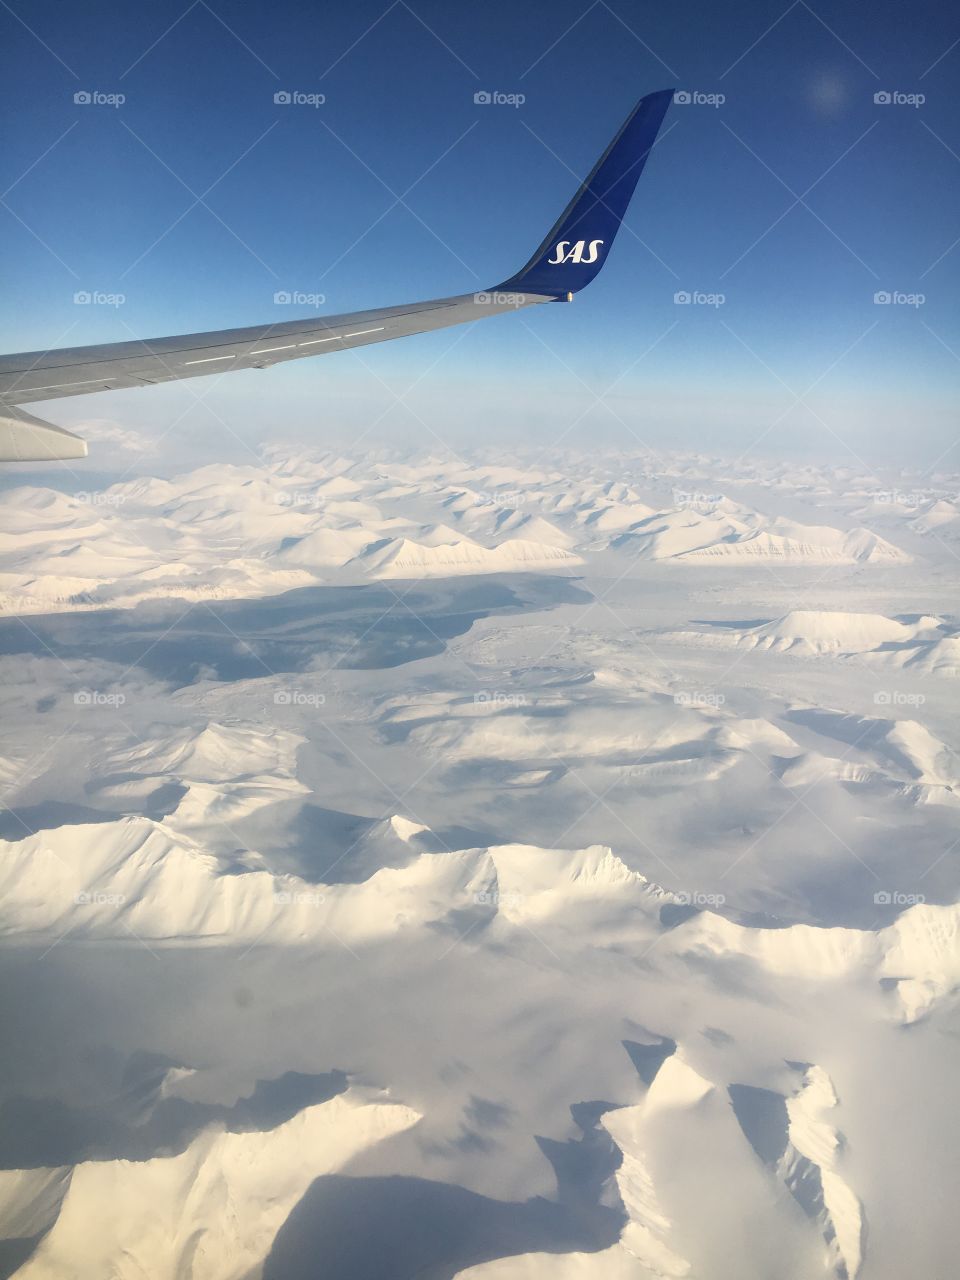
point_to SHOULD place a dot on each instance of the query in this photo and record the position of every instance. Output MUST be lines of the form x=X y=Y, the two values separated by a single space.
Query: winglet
x=578 y=244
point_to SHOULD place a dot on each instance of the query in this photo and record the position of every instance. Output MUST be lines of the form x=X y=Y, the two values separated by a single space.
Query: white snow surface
x=501 y=868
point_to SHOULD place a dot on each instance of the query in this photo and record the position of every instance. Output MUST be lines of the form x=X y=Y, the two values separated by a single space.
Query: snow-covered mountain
x=412 y=867
x=246 y=531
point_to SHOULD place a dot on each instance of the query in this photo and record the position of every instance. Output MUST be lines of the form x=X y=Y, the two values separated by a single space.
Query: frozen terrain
x=494 y=868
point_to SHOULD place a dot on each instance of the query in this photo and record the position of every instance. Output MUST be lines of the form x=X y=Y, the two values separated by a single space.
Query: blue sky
x=103 y=199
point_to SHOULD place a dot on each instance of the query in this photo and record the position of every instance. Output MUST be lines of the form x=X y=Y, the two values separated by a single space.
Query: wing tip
x=579 y=242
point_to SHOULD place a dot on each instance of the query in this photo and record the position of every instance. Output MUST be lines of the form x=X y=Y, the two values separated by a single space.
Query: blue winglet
x=577 y=246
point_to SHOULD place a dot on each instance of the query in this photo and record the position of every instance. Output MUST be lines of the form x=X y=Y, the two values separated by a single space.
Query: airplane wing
x=567 y=260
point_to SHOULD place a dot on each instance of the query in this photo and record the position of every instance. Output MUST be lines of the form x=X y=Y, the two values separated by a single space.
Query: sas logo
x=577 y=252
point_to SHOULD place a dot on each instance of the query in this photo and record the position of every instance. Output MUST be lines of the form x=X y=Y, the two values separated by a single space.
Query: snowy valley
x=442 y=867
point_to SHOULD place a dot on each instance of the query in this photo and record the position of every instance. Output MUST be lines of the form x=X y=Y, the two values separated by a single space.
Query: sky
x=783 y=197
